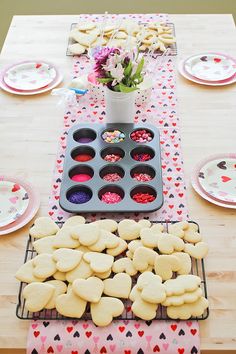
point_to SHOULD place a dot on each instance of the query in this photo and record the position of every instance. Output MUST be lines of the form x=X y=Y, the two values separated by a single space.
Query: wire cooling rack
x=171 y=52
x=198 y=268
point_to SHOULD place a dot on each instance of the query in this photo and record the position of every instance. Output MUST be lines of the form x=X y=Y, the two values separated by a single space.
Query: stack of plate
x=215 y=180
x=213 y=69
x=30 y=77
x=19 y=202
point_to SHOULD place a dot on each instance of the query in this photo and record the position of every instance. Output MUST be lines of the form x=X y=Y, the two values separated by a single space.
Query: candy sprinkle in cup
x=112 y=177
x=113 y=136
x=112 y=157
x=111 y=198
x=142 y=177
x=143 y=198
x=141 y=136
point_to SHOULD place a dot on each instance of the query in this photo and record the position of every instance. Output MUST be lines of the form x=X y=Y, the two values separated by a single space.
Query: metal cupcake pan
x=97 y=167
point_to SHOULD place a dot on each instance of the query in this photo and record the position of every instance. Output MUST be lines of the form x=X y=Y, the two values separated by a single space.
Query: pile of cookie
x=128 y=34
x=87 y=263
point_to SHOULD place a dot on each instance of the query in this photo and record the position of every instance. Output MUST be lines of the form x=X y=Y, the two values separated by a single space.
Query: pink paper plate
x=197 y=187
x=33 y=206
x=185 y=74
x=49 y=87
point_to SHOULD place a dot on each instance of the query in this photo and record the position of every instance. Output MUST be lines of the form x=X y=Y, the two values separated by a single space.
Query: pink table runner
x=77 y=337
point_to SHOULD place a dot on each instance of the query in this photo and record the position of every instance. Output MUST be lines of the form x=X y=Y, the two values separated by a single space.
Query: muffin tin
x=87 y=139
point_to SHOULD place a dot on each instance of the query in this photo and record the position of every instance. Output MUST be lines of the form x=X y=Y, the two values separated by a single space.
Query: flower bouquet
x=121 y=72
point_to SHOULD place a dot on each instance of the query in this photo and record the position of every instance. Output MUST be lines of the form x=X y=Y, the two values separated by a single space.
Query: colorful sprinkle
x=112 y=158
x=83 y=158
x=111 y=198
x=142 y=157
x=142 y=177
x=82 y=177
x=79 y=197
x=113 y=136
x=141 y=136
x=112 y=177
x=143 y=198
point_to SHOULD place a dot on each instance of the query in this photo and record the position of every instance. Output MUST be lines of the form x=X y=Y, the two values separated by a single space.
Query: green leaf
x=104 y=80
x=139 y=69
x=126 y=89
x=128 y=69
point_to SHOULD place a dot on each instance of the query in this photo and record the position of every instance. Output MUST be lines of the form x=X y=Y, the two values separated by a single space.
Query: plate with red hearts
x=217 y=177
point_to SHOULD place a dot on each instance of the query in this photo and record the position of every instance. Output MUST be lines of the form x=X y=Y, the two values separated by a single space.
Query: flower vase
x=120 y=106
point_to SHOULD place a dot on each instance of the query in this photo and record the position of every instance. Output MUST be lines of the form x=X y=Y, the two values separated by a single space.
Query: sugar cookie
x=141 y=308
x=182 y=284
x=149 y=237
x=37 y=295
x=76 y=48
x=87 y=234
x=59 y=276
x=143 y=257
x=144 y=223
x=44 y=245
x=191 y=234
x=64 y=239
x=130 y=254
x=25 y=273
x=60 y=288
x=185 y=262
x=152 y=290
x=70 y=305
x=74 y=221
x=122 y=246
x=90 y=289
x=133 y=245
x=83 y=249
x=44 y=266
x=103 y=275
x=118 y=286
x=177 y=229
x=99 y=262
x=184 y=312
x=106 y=240
x=107 y=224
x=186 y=298
x=198 y=251
x=165 y=265
x=124 y=265
x=67 y=259
x=43 y=226
x=103 y=312
x=168 y=243
x=129 y=229
x=82 y=271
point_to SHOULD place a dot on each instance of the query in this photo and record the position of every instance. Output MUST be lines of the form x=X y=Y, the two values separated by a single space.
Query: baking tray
x=172 y=47
x=198 y=268
x=97 y=167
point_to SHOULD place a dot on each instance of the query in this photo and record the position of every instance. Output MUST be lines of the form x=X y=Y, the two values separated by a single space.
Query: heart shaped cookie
x=129 y=229
x=87 y=234
x=106 y=240
x=60 y=288
x=25 y=273
x=122 y=246
x=74 y=221
x=149 y=237
x=178 y=228
x=165 y=265
x=152 y=290
x=144 y=223
x=37 y=295
x=186 y=298
x=133 y=245
x=184 y=312
x=107 y=224
x=44 y=266
x=185 y=262
x=43 y=226
x=124 y=265
x=70 y=305
x=191 y=234
x=44 y=245
x=103 y=275
x=141 y=308
x=64 y=239
x=198 y=251
x=118 y=286
x=90 y=289
x=168 y=243
x=182 y=284
x=99 y=262
x=143 y=257
x=103 y=312
x=66 y=259
x=82 y=271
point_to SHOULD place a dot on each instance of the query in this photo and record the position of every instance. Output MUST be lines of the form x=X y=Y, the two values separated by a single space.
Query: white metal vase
x=120 y=106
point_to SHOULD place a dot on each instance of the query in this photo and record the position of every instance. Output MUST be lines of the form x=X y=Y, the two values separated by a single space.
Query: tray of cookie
x=112 y=168
x=128 y=34
x=104 y=269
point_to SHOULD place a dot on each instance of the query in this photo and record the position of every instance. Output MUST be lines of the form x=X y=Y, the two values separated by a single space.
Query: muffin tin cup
x=98 y=165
